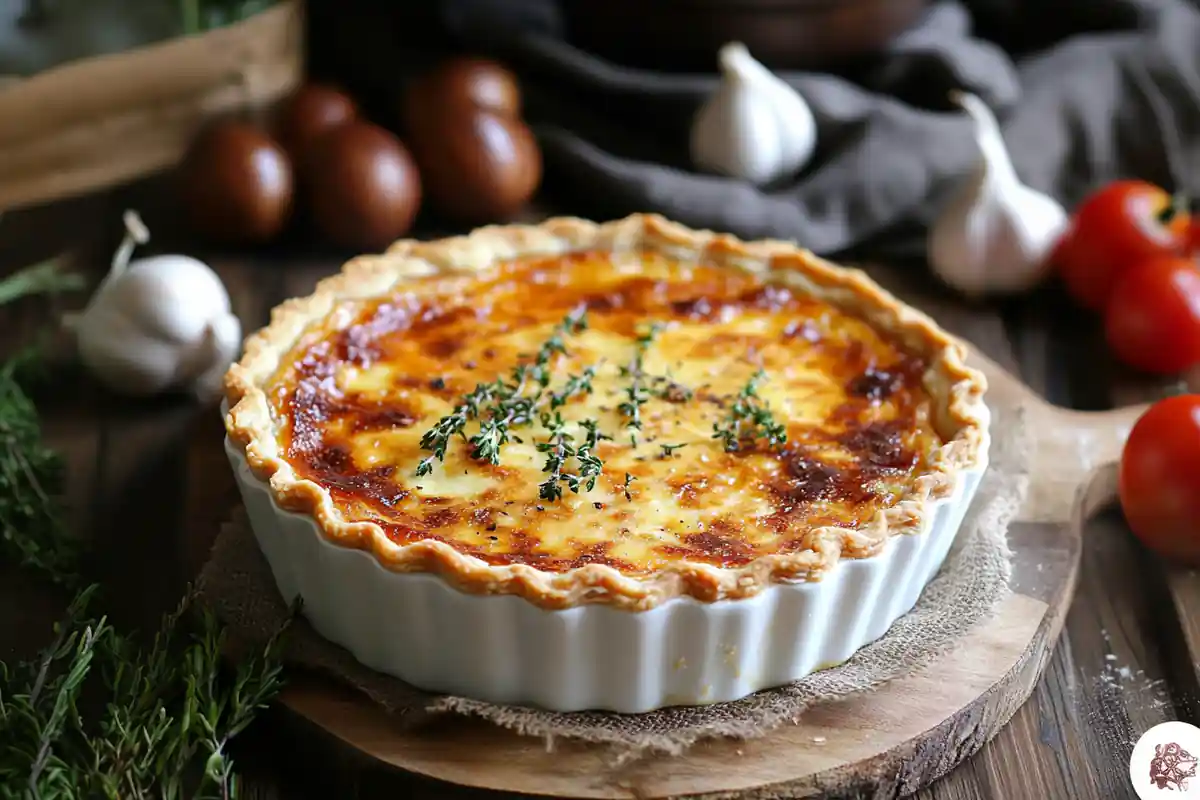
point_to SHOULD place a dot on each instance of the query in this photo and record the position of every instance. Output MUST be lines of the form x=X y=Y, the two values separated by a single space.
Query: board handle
x=1099 y=436
x=1073 y=450
x=1075 y=441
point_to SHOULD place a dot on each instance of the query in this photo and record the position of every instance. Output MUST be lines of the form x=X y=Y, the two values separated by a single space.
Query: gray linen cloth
x=1116 y=93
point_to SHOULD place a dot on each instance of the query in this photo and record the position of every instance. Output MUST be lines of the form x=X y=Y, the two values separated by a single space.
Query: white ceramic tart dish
x=614 y=466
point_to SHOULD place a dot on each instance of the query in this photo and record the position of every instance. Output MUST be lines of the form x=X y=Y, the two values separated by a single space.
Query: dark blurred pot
x=783 y=34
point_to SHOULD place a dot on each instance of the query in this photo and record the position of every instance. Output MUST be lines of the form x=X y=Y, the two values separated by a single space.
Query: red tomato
x=1159 y=481
x=1193 y=238
x=1123 y=224
x=1153 y=318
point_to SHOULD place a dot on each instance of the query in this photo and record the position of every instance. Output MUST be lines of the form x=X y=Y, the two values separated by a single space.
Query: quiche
x=616 y=414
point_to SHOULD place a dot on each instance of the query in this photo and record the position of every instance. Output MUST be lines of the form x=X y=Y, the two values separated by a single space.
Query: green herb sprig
x=453 y=424
x=33 y=532
x=560 y=447
x=749 y=419
x=43 y=278
x=636 y=393
x=168 y=716
x=502 y=405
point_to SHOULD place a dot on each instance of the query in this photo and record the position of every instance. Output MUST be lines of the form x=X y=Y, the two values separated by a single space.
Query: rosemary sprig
x=168 y=715
x=503 y=405
x=32 y=529
x=43 y=278
x=749 y=419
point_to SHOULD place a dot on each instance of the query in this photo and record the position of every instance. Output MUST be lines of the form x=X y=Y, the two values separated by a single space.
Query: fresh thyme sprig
x=749 y=419
x=636 y=393
x=502 y=405
x=576 y=384
x=454 y=423
x=560 y=448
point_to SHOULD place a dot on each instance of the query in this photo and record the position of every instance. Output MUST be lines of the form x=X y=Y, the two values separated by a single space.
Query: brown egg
x=477 y=167
x=362 y=187
x=236 y=184
x=312 y=111
x=467 y=82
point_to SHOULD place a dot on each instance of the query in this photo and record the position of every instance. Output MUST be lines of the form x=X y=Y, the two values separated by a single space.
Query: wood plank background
x=1126 y=661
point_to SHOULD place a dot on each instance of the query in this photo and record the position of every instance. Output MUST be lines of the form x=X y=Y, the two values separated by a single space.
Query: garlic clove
x=736 y=136
x=996 y=235
x=204 y=371
x=755 y=126
x=172 y=296
x=796 y=129
x=113 y=349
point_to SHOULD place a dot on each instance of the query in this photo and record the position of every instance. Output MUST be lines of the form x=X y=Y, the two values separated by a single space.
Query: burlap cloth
x=237 y=584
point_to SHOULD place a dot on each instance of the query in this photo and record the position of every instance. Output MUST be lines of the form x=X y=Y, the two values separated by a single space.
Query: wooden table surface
x=1122 y=666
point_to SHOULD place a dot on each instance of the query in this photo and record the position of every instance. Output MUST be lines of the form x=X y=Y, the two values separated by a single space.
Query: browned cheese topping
x=716 y=416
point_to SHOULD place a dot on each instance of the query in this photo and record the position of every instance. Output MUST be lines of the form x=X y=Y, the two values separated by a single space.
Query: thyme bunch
x=749 y=419
x=501 y=406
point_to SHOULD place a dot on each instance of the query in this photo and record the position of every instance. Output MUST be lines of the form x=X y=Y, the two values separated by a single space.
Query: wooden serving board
x=888 y=743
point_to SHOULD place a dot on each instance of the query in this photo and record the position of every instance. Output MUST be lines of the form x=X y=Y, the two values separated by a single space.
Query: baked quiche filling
x=628 y=410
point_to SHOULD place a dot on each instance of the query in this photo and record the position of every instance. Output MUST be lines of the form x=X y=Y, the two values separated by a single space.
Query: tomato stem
x=1173 y=390
x=1179 y=204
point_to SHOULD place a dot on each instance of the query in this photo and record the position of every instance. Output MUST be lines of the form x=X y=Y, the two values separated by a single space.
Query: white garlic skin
x=755 y=127
x=162 y=323
x=996 y=235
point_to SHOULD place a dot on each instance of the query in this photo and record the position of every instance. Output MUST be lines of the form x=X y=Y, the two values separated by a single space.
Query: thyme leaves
x=749 y=419
x=500 y=406
x=560 y=448
x=637 y=394
x=531 y=395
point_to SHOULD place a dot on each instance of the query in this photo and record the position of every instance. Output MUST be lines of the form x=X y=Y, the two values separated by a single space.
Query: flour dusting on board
x=1119 y=688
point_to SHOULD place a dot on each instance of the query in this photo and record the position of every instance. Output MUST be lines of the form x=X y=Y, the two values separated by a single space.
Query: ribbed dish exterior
x=503 y=649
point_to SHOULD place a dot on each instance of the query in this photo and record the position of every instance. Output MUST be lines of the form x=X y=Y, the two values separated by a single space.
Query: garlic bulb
x=996 y=234
x=754 y=127
x=157 y=324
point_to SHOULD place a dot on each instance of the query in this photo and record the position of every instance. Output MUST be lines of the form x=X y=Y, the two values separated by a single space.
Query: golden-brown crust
x=957 y=390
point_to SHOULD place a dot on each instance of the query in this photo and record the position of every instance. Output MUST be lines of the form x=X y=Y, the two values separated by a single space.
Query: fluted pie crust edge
x=956 y=390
